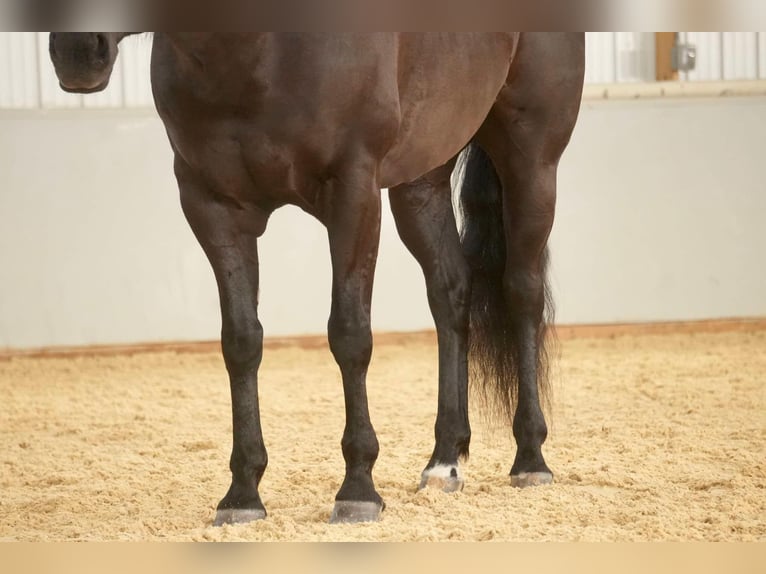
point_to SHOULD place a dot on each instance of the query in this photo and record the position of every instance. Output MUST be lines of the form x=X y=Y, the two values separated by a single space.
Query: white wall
x=661 y=212
x=661 y=207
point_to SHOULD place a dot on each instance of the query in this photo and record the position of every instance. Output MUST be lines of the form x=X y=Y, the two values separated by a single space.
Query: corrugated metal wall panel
x=6 y=86
x=19 y=81
x=740 y=55
x=635 y=57
x=136 y=53
x=600 y=57
x=709 y=53
x=762 y=55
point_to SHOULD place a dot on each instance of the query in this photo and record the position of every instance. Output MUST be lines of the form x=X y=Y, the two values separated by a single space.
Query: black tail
x=494 y=343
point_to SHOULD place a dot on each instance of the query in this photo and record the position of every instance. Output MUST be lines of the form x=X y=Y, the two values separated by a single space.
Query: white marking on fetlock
x=444 y=471
x=446 y=477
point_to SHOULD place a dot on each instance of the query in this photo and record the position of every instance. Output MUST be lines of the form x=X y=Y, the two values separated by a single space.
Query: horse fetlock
x=249 y=460
x=360 y=448
x=451 y=443
x=529 y=429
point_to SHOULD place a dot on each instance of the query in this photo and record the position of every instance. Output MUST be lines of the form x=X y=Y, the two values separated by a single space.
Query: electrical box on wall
x=684 y=57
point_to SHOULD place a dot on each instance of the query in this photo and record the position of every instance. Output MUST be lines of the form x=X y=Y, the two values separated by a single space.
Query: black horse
x=324 y=121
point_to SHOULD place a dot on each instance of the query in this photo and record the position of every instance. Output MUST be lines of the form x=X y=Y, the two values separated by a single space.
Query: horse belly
x=444 y=100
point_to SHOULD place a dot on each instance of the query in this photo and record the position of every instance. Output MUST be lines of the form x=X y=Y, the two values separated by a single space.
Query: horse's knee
x=350 y=340
x=249 y=459
x=242 y=346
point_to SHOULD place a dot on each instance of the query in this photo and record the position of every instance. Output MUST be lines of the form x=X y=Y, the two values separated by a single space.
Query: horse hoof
x=351 y=512
x=238 y=516
x=525 y=479
x=446 y=478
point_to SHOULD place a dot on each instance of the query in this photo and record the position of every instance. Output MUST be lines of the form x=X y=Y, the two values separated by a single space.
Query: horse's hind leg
x=228 y=237
x=426 y=223
x=525 y=136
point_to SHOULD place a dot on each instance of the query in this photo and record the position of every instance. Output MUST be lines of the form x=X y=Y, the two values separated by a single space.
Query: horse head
x=84 y=60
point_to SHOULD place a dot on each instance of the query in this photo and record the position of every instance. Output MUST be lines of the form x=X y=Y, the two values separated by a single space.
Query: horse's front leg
x=228 y=236
x=352 y=216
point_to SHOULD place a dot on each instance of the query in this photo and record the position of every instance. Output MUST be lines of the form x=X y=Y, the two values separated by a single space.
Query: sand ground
x=659 y=437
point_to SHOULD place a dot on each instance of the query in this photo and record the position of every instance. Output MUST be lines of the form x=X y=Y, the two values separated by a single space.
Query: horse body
x=324 y=121
x=437 y=115
x=287 y=119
